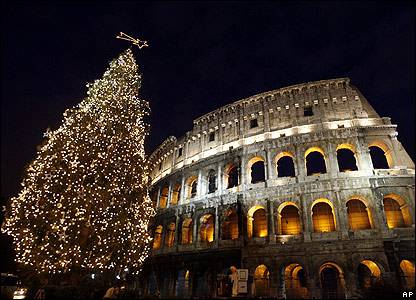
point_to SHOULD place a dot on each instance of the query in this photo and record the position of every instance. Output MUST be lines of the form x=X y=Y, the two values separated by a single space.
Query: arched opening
x=257 y=222
x=378 y=157
x=369 y=275
x=357 y=215
x=192 y=186
x=170 y=235
x=295 y=284
x=394 y=213
x=157 y=239
x=163 y=199
x=315 y=161
x=186 y=232
x=261 y=281
x=212 y=181
x=206 y=228
x=408 y=274
x=183 y=285
x=176 y=194
x=232 y=176
x=323 y=217
x=346 y=158
x=256 y=169
x=285 y=165
x=332 y=282
x=229 y=227
x=290 y=220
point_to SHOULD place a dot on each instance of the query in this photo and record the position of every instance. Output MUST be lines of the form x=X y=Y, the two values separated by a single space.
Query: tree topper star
x=139 y=43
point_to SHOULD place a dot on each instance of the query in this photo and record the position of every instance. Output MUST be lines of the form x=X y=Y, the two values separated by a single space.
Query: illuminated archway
x=163 y=199
x=261 y=281
x=170 y=235
x=323 y=216
x=229 y=227
x=396 y=211
x=369 y=275
x=358 y=217
x=346 y=158
x=186 y=231
x=176 y=194
x=255 y=169
x=192 y=186
x=206 y=228
x=332 y=281
x=257 y=222
x=288 y=219
x=295 y=282
x=285 y=165
x=231 y=176
x=315 y=161
x=381 y=155
x=157 y=239
x=408 y=272
x=212 y=181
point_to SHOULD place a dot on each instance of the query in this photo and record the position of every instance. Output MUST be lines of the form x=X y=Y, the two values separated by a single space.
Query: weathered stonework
x=341 y=118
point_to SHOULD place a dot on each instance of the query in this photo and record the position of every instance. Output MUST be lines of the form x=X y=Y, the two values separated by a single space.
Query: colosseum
x=300 y=192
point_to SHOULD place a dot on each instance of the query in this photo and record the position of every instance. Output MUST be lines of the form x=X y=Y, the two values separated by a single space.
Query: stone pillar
x=158 y=196
x=243 y=172
x=216 y=226
x=195 y=240
x=169 y=194
x=300 y=163
x=363 y=155
x=182 y=195
x=306 y=218
x=271 y=174
x=341 y=215
x=219 y=179
x=331 y=160
x=199 y=184
x=177 y=229
x=266 y=167
x=271 y=222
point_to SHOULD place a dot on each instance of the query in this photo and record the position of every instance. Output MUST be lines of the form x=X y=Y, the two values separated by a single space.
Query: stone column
x=158 y=197
x=271 y=222
x=341 y=215
x=195 y=240
x=199 y=184
x=331 y=160
x=177 y=229
x=169 y=194
x=300 y=163
x=217 y=226
x=219 y=179
x=363 y=155
x=271 y=174
x=306 y=218
x=182 y=195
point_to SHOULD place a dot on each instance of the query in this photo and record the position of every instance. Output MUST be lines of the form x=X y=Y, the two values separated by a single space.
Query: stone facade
x=338 y=232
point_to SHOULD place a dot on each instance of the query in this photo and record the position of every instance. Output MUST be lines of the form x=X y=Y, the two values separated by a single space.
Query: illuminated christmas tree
x=84 y=200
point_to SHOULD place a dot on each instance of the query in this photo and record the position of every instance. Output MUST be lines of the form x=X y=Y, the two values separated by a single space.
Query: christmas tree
x=84 y=202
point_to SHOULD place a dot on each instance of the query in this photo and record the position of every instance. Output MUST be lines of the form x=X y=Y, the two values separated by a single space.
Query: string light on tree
x=84 y=200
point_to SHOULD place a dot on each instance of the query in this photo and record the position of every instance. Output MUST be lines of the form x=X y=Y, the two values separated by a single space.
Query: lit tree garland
x=84 y=201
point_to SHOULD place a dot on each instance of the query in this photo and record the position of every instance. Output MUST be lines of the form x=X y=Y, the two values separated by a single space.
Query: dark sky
x=201 y=56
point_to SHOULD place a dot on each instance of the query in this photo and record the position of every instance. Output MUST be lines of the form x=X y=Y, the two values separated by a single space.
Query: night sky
x=201 y=57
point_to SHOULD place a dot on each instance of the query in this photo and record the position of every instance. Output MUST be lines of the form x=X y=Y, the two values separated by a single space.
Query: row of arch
x=315 y=163
x=331 y=278
x=289 y=221
x=291 y=281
